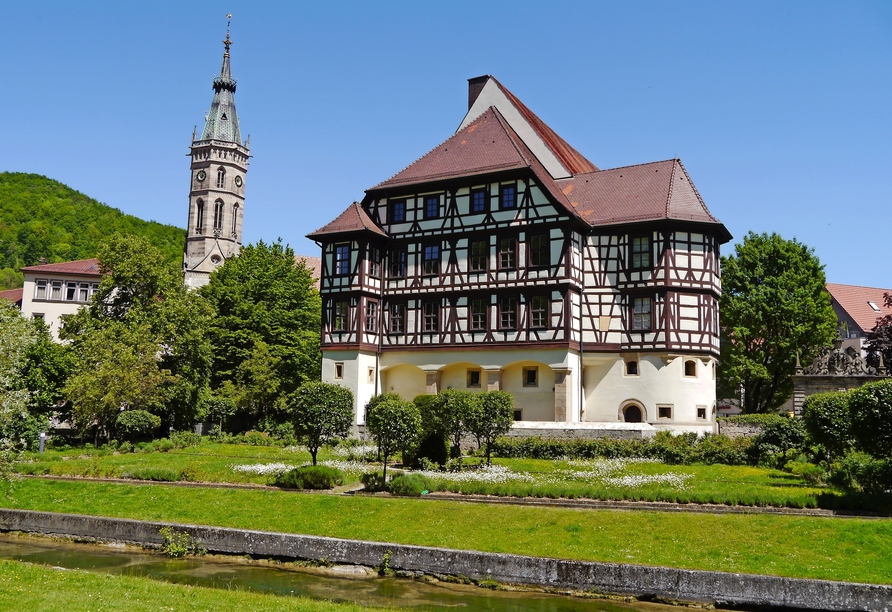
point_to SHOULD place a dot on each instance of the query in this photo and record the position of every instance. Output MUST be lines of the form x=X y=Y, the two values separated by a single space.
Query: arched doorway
x=632 y=414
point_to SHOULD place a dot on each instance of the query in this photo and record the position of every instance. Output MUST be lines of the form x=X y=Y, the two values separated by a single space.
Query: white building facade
x=504 y=259
x=53 y=290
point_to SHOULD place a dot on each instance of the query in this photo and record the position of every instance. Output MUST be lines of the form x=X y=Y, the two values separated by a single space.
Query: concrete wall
x=687 y=585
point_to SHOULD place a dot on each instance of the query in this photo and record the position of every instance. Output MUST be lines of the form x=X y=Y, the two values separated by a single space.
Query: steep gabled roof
x=855 y=301
x=646 y=192
x=354 y=219
x=484 y=146
x=556 y=155
x=81 y=266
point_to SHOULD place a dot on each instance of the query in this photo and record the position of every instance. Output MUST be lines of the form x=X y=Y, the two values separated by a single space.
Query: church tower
x=217 y=194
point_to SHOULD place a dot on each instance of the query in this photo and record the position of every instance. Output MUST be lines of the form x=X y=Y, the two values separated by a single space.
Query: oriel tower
x=217 y=193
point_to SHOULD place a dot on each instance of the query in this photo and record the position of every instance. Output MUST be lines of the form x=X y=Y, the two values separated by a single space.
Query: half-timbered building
x=504 y=259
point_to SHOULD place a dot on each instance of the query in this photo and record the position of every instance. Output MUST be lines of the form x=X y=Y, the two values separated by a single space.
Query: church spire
x=222 y=121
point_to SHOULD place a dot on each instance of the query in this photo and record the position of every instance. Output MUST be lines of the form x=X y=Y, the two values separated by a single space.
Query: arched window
x=690 y=368
x=234 y=220
x=632 y=368
x=221 y=178
x=218 y=215
x=632 y=414
x=199 y=216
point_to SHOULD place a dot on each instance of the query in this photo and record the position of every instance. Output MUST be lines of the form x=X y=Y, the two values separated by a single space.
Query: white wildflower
x=263 y=469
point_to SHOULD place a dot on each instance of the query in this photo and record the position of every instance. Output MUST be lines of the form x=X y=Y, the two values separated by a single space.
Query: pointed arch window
x=234 y=220
x=221 y=178
x=218 y=215
x=199 y=216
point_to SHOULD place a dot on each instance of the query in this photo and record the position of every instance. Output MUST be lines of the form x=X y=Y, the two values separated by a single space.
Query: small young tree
x=492 y=416
x=828 y=421
x=395 y=425
x=321 y=413
x=133 y=425
x=456 y=407
x=871 y=407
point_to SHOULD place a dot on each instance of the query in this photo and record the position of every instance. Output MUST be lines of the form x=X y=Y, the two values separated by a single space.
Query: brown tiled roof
x=354 y=219
x=658 y=190
x=81 y=266
x=13 y=295
x=574 y=161
x=313 y=264
x=483 y=146
x=854 y=301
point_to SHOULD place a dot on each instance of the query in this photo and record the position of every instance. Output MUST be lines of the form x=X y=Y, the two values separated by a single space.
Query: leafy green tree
x=871 y=407
x=773 y=307
x=395 y=424
x=143 y=292
x=268 y=311
x=47 y=367
x=455 y=408
x=321 y=414
x=492 y=416
x=132 y=425
x=828 y=420
x=118 y=369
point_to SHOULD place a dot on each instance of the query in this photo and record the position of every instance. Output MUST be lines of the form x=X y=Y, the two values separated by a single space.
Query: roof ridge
x=429 y=152
x=671 y=188
x=661 y=161
x=860 y=287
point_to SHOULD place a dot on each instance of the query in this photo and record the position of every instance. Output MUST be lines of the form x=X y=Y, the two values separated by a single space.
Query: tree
x=132 y=425
x=395 y=424
x=141 y=294
x=828 y=420
x=455 y=408
x=493 y=416
x=879 y=340
x=266 y=308
x=773 y=307
x=46 y=369
x=871 y=407
x=17 y=427
x=118 y=369
x=321 y=413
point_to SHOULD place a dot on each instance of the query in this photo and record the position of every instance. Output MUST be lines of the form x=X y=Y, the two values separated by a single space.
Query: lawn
x=858 y=550
x=610 y=479
x=25 y=586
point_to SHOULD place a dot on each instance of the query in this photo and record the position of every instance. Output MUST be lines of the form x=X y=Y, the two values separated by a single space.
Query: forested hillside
x=40 y=217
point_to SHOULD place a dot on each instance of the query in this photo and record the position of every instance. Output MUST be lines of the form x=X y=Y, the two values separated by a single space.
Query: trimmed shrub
x=165 y=445
x=777 y=440
x=185 y=439
x=125 y=447
x=133 y=425
x=409 y=484
x=289 y=480
x=310 y=477
x=154 y=473
x=871 y=407
x=372 y=482
x=434 y=448
x=858 y=471
x=828 y=421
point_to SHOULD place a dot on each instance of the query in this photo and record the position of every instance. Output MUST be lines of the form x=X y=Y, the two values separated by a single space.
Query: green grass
x=25 y=586
x=857 y=550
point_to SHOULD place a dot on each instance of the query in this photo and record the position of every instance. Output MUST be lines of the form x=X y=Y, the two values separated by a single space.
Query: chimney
x=42 y=261
x=475 y=86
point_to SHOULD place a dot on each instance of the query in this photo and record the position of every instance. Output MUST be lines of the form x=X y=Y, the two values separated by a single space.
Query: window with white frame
x=342 y=259
x=371 y=317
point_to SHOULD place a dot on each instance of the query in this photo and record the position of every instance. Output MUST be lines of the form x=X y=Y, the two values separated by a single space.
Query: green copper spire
x=222 y=121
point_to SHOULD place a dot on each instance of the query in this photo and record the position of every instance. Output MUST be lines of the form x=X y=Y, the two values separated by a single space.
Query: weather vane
x=228 y=42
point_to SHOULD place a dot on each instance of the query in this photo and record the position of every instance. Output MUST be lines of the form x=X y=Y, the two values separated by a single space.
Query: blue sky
x=780 y=111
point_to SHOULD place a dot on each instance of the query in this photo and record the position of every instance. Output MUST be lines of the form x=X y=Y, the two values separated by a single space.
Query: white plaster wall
x=404 y=379
x=356 y=377
x=608 y=389
x=537 y=403
x=52 y=310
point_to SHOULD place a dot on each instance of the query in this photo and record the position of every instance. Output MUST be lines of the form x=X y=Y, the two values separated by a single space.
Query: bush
x=146 y=447
x=310 y=477
x=289 y=480
x=134 y=425
x=158 y=474
x=184 y=439
x=828 y=421
x=24 y=426
x=372 y=482
x=256 y=438
x=433 y=448
x=409 y=484
x=858 y=471
x=871 y=407
x=778 y=438
x=125 y=447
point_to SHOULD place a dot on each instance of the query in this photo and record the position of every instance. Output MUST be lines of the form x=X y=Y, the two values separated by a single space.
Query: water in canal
x=288 y=579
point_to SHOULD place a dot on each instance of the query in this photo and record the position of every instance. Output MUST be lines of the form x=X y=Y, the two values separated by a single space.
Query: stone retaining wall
x=639 y=580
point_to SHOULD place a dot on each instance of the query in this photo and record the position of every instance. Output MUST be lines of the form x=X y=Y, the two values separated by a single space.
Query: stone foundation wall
x=639 y=580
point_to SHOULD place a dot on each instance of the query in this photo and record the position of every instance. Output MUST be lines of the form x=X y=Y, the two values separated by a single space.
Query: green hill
x=40 y=217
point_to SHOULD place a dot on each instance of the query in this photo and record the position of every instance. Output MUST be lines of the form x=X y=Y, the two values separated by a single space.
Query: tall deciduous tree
x=773 y=307
x=321 y=414
x=266 y=307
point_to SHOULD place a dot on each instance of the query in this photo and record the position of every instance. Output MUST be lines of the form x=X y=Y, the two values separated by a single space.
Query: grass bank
x=854 y=550
x=24 y=586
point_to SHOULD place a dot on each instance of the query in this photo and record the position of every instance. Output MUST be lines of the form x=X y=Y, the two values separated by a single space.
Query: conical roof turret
x=221 y=122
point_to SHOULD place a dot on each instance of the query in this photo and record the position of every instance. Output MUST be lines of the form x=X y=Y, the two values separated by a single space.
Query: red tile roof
x=13 y=295
x=658 y=190
x=854 y=301
x=81 y=266
x=354 y=219
x=484 y=146
x=573 y=160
